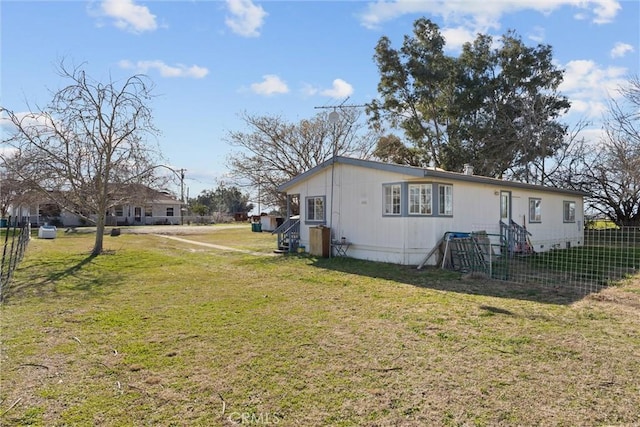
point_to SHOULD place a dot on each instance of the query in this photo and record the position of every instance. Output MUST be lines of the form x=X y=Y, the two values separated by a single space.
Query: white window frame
x=392 y=199
x=445 y=199
x=420 y=199
x=569 y=211
x=535 y=210
x=317 y=213
x=505 y=206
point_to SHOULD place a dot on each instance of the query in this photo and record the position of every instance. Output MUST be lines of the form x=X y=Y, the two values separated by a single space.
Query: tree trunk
x=97 y=246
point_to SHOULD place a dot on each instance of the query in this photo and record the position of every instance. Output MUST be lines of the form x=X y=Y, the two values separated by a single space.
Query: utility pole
x=182 y=207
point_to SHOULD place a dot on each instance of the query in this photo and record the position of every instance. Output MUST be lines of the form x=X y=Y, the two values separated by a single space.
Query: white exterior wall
x=268 y=222
x=552 y=230
x=356 y=214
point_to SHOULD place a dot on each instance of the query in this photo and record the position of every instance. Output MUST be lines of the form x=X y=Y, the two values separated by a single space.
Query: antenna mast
x=342 y=105
x=334 y=117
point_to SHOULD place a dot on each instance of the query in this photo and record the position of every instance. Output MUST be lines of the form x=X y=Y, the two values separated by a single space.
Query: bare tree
x=86 y=151
x=275 y=151
x=562 y=168
x=11 y=191
x=612 y=173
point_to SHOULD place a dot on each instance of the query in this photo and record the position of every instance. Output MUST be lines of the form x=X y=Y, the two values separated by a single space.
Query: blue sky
x=213 y=60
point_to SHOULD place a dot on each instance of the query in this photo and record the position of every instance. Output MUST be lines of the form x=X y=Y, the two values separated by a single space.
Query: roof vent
x=468 y=169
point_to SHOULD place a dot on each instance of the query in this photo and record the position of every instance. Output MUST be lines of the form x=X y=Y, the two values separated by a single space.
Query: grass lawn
x=162 y=332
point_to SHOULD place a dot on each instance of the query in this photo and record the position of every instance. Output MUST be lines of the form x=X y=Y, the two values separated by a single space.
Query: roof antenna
x=333 y=116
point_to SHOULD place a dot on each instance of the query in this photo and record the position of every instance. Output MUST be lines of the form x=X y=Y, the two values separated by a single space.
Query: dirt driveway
x=181 y=230
x=167 y=230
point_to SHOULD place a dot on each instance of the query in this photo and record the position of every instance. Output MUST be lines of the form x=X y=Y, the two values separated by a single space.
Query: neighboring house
x=398 y=214
x=158 y=208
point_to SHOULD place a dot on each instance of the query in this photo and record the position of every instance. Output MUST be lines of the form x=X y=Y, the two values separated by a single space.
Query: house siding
x=356 y=211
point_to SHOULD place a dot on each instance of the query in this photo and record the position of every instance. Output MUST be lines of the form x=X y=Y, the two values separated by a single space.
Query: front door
x=137 y=214
x=505 y=207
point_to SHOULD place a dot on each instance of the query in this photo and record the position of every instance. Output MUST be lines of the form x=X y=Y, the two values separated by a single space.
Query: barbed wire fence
x=15 y=236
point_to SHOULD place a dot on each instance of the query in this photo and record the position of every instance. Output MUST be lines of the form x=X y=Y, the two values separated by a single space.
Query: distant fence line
x=604 y=257
x=15 y=238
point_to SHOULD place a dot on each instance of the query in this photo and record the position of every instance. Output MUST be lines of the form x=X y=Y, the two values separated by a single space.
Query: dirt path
x=163 y=229
x=211 y=245
x=180 y=229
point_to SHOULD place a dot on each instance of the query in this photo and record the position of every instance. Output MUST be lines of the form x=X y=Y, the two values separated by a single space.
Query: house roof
x=145 y=194
x=418 y=172
x=142 y=193
x=156 y=196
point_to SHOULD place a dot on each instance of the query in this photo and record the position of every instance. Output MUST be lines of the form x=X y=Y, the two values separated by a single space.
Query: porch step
x=282 y=249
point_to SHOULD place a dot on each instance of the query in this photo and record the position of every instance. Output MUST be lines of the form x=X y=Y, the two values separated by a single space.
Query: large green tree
x=495 y=108
x=391 y=149
x=223 y=200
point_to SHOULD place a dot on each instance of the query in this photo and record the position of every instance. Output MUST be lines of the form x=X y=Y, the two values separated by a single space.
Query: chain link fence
x=15 y=236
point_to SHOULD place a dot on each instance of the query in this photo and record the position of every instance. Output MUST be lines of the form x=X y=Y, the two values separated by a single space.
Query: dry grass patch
x=157 y=334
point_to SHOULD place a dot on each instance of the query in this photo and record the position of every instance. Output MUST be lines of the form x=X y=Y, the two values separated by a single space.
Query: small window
x=391 y=199
x=148 y=211
x=119 y=210
x=445 y=200
x=170 y=211
x=535 y=213
x=569 y=211
x=315 y=209
x=505 y=206
x=420 y=199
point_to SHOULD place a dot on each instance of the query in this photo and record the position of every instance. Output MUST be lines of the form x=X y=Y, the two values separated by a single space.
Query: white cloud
x=537 y=34
x=339 y=89
x=481 y=16
x=621 y=49
x=589 y=87
x=605 y=10
x=271 y=84
x=381 y=11
x=246 y=19
x=165 y=70
x=456 y=37
x=129 y=16
x=34 y=122
x=308 y=90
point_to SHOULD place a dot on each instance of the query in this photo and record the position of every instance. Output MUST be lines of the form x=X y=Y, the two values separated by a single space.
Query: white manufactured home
x=398 y=214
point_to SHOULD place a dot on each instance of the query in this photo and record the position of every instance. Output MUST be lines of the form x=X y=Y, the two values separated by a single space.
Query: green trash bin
x=3 y=223
x=256 y=227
